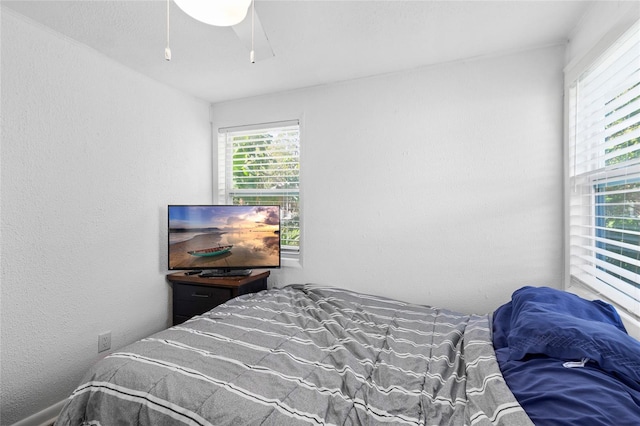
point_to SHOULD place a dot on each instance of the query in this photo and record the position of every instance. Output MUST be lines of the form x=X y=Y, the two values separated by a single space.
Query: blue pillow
x=501 y=325
x=552 y=300
x=564 y=326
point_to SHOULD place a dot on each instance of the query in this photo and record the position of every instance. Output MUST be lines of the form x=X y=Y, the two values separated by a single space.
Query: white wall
x=600 y=26
x=91 y=155
x=440 y=185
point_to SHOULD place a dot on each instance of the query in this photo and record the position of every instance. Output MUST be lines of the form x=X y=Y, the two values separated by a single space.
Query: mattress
x=304 y=354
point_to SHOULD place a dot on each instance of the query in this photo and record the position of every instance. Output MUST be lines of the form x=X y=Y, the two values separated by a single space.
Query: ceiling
x=314 y=42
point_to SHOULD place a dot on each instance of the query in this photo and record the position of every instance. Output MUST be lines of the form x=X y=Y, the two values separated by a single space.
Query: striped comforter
x=304 y=355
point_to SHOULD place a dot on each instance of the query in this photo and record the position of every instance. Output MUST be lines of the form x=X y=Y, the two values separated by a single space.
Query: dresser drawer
x=190 y=292
x=190 y=300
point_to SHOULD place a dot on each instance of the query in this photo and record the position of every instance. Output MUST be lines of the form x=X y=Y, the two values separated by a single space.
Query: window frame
x=589 y=183
x=291 y=255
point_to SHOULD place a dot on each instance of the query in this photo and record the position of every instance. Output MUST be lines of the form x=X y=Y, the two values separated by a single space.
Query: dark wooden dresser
x=194 y=295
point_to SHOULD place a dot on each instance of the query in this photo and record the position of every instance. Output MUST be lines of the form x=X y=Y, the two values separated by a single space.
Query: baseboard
x=45 y=417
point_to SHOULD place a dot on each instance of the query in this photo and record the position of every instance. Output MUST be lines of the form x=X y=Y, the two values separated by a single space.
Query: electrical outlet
x=104 y=341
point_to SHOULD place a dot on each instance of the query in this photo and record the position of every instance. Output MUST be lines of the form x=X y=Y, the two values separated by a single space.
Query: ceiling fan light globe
x=221 y=13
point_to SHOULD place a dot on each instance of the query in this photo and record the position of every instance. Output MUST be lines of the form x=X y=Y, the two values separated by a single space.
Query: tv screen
x=223 y=238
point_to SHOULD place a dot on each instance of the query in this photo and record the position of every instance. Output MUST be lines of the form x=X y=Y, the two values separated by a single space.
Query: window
x=604 y=174
x=617 y=239
x=261 y=165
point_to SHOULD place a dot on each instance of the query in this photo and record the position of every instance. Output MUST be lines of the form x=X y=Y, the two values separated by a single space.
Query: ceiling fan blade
x=261 y=46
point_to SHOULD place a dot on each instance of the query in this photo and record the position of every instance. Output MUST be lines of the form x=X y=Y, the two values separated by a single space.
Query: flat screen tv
x=223 y=240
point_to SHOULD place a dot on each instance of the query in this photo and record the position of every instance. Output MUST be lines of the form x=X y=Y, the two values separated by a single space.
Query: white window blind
x=260 y=165
x=604 y=171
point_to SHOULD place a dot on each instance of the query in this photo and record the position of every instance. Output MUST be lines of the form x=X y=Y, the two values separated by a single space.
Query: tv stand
x=194 y=295
x=219 y=273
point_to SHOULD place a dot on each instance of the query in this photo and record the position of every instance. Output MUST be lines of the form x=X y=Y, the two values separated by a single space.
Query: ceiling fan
x=228 y=13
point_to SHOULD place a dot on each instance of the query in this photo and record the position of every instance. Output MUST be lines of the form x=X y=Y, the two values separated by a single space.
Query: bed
x=306 y=354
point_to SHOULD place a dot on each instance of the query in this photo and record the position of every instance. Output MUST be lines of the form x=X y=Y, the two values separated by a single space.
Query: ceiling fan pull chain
x=167 y=50
x=252 y=55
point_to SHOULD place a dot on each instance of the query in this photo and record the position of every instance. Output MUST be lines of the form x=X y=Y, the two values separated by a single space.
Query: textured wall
x=600 y=26
x=439 y=185
x=91 y=155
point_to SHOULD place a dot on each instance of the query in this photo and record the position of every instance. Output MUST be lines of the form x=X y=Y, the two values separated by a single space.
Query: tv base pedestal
x=220 y=273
